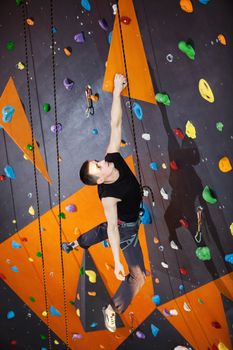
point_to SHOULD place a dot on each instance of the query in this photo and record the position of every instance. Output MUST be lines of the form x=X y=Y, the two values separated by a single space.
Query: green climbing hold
x=30 y=147
x=46 y=107
x=81 y=271
x=42 y=337
x=32 y=299
x=203 y=253
x=163 y=98
x=71 y=302
x=208 y=195
x=19 y=2
x=187 y=49
x=10 y=45
x=200 y=301
x=219 y=126
x=62 y=215
x=39 y=254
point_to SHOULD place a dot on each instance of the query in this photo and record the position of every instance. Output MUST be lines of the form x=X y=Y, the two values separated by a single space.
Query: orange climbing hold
x=186 y=6
x=222 y=39
x=225 y=165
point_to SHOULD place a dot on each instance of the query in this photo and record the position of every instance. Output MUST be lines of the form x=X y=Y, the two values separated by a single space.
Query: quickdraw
x=199 y=223
x=90 y=98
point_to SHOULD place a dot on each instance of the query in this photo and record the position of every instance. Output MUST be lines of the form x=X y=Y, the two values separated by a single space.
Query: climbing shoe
x=109 y=320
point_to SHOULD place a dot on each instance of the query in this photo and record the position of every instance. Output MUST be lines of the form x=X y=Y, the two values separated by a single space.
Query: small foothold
x=137 y=109
x=10 y=315
x=126 y=20
x=216 y=324
x=204 y=2
x=165 y=265
x=30 y=147
x=184 y=223
x=103 y=24
x=2 y=177
x=71 y=208
x=46 y=107
x=164 y=194
x=179 y=133
x=208 y=195
x=68 y=83
x=229 y=258
x=163 y=98
x=110 y=38
x=166 y=312
x=15 y=245
x=76 y=336
x=20 y=65
x=30 y=21
x=203 y=253
x=54 y=311
x=190 y=130
x=86 y=5
x=140 y=335
x=10 y=45
x=187 y=307
x=114 y=9
x=57 y=128
x=219 y=126
x=222 y=39
x=154 y=166
x=94 y=131
x=156 y=299
x=7 y=114
x=183 y=271
x=222 y=346
x=173 y=165
x=154 y=330
x=14 y=268
x=39 y=254
x=205 y=91
x=92 y=275
x=187 y=49
x=67 y=51
x=54 y=30
x=146 y=136
x=181 y=287
x=9 y=171
x=225 y=165
x=79 y=38
x=32 y=299
x=31 y=210
x=186 y=6
x=62 y=215
x=19 y=2
x=169 y=58
x=81 y=271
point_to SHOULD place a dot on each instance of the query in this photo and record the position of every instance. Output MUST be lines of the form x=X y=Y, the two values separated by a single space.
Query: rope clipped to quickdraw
x=143 y=188
x=35 y=173
x=58 y=168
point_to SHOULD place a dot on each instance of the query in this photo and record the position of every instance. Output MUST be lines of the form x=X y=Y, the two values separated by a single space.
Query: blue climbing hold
x=54 y=312
x=10 y=315
x=43 y=348
x=86 y=5
x=14 y=268
x=16 y=245
x=181 y=287
x=54 y=30
x=95 y=131
x=204 y=2
x=93 y=324
x=156 y=299
x=229 y=258
x=146 y=216
x=154 y=166
x=110 y=38
x=137 y=109
x=9 y=171
x=7 y=114
x=105 y=243
x=154 y=330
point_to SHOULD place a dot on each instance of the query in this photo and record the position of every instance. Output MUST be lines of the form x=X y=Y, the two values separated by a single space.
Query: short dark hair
x=85 y=177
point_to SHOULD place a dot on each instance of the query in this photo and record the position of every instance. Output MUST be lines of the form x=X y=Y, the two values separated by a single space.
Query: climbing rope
x=35 y=173
x=58 y=167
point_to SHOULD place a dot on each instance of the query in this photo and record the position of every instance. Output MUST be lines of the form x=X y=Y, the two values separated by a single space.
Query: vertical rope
x=35 y=174
x=58 y=169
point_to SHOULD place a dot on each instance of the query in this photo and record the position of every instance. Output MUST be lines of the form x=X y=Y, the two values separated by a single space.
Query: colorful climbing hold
x=229 y=258
x=81 y=271
x=57 y=128
x=208 y=195
x=30 y=147
x=146 y=136
x=14 y=268
x=164 y=194
x=86 y=5
x=79 y=37
x=137 y=109
x=204 y=2
x=10 y=314
x=62 y=215
x=190 y=130
x=93 y=324
x=54 y=311
x=224 y=165
x=68 y=83
x=9 y=171
x=94 y=131
x=186 y=6
x=126 y=20
x=231 y=228
x=216 y=324
x=46 y=107
x=39 y=254
x=163 y=98
x=183 y=271
x=19 y=2
x=186 y=307
x=103 y=24
x=184 y=223
x=67 y=51
x=15 y=245
x=179 y=133
x=92 y=275
x=110 y=38
x=30 y=21
x=31 y=210
x=205 y=91
x=200 y=301
x=54 y=30
x=92 y=294
x=2 y=177
x=42 y=337
x=219 y=126
x=145 y=218
x=203 y=253
x=154 y=166
x=222 y=346
x=76 y=336
x=173 y=165
x=166 y=312
x=140 y=335
x=154 y=330
x=71 y=208
x=7 y=114
x=156 y=299
x=78 y=312
x=20 y=65
x=187 y=49
x=32 y=299
x=10 y=45
x=222 y=39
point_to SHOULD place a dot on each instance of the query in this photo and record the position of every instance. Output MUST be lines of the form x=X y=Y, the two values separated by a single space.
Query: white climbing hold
x=165 y=265
x=186 y=307
x=146 y=136
x=164 y=194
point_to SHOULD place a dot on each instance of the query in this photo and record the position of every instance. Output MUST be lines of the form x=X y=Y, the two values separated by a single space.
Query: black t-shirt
x=126 y=188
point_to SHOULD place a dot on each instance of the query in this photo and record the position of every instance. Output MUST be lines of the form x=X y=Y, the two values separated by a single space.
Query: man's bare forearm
x=116 y=111
x=114 y=239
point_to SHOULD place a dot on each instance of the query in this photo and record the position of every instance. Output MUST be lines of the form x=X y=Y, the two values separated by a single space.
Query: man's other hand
x=119 y=271
x=120 y=83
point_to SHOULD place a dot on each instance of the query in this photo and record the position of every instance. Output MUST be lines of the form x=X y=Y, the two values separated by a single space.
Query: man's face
x=102 y=169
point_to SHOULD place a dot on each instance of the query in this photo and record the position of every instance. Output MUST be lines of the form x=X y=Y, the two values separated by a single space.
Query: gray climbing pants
x=132 y=251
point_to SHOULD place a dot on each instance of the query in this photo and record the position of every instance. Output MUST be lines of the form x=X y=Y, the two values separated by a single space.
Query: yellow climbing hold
x=164 y=166
x=92 y=294
x=25 y=156
x=190 y=130
x=44 y=313
x=30 y=259
x=56 y=342
x=222 y=346
x=186 y=6
x=206 y=91
x=222 y=39
x=225 y=165
x=156 y=241
x=13 y=221
x=31 y=210
x=78 y=312
x=92 y=275
x=231 y=228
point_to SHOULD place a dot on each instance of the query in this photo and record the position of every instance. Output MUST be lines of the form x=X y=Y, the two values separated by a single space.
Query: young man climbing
x=119 y=192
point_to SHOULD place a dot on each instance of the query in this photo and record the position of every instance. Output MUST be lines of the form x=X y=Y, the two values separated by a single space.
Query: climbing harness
x=199 y=224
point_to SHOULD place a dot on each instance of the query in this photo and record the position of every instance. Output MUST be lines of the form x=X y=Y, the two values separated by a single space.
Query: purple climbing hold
x=58 y=128
x=68 y=83
x=103 y=24
x=71 y=208
x=140 y=335
x=79 y=38
x=166 y=312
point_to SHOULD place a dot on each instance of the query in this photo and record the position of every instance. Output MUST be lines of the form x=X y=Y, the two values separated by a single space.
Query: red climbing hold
x=216 y=324
x=2 y=177
x=179 y=133
x=23 y=239
x=184 y=223
x=183 y=271
x=173 y=165
x=125 y=20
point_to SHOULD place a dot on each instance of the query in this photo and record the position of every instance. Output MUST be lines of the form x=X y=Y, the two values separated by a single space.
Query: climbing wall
x=181 y=109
